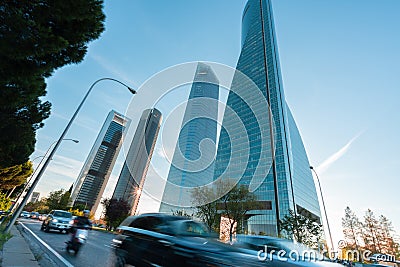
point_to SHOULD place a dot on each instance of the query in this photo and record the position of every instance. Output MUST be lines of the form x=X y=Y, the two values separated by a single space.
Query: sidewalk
x=16 y=252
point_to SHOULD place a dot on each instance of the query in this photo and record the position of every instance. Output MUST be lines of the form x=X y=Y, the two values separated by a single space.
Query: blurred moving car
x=35 y=215
x=165 y=240
x=57 y=220
x=25 y=214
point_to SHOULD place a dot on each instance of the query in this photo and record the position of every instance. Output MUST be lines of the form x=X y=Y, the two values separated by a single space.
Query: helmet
x=86 y=212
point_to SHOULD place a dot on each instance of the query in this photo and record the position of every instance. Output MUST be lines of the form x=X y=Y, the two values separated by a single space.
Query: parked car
x=165 y=240
x=25 y=214
x=35 y=215
x=57 y=220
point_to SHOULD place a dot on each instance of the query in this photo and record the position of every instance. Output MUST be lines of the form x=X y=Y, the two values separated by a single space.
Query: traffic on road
x=96 y=252
x=157 y=239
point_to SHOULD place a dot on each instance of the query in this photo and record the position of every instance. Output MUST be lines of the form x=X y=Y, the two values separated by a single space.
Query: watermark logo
x=343 y=253
x=270 y=254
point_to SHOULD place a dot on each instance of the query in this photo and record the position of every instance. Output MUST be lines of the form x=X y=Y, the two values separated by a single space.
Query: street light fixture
x=16 y=214
x=323 y=204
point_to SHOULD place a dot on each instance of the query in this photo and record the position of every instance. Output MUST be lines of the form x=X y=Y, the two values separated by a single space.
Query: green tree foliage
x=302 y=228
x=224 y=199
x=39 y=206
x=58 y=200
x=115 y=212
x=80 y=206
x=235 y=204
x=182 y=213
x=203 y=198
x=15 y=176
x=36 y=38
x=5 y=202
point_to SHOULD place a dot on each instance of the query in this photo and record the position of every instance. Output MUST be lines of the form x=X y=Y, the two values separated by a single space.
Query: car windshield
x=64 y=214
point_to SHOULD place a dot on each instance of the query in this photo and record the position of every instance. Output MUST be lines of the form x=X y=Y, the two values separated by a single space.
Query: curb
x=46 y=255
x=17 y=252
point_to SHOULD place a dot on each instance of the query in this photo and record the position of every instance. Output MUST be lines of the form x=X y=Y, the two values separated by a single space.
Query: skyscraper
x=92 y=180
x=35 y=197
x=288 y=183
x=132 y=177
x=192 y=164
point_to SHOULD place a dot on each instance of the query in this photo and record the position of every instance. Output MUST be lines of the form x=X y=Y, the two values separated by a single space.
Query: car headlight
x=116 y=241
x=54 y=220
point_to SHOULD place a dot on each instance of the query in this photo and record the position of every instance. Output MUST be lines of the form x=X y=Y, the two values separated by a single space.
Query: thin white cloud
x=336 y=156
x=112 y=69
x=82 y=121
x=65 y=167
x=60 y=116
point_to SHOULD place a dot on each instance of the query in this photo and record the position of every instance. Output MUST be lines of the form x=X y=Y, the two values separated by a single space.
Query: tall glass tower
x=193 y=160
x=93 y=178
x=131 y=180
x=288 y=184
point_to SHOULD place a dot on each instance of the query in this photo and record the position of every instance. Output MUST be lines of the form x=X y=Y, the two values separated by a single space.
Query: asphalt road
x=96 y=252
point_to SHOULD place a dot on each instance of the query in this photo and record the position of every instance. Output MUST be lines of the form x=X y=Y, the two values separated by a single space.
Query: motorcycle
x=78 y=239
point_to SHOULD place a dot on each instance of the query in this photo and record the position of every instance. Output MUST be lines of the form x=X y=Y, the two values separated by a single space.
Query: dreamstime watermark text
x=271 y=254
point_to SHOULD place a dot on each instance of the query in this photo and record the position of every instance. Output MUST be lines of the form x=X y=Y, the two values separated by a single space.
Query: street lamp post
x=323 y=204
x=27 y=181
x=33 y=174
x=30 y=190
x=16 y=214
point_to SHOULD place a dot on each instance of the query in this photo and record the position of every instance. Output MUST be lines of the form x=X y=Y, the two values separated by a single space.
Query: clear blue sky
x=340 y=67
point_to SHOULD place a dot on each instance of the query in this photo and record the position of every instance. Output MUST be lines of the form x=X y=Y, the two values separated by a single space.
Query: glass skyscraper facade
x=193 y=162
x=132 y=177
x=288 y=183
x=92 y=180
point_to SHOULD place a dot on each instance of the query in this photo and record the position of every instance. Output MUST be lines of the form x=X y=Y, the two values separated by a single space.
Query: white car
x=25 y=214
x=57 y=220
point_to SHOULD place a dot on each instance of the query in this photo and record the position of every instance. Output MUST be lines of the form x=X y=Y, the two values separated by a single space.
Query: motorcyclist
x=81 y=222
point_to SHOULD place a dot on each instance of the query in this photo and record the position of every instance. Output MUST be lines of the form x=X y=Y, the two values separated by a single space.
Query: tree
x=5 y=202
x=39 y=206
x=302 y=228
x=377 y=235
x=203 y=198
x=79 y=206
x=351 y=229
x=15 y=176
x=37 y=37
x=58 y=200
x=388 y=245
x=116 y=210
x=182 y=213
x=371 y=232
x=235 y=204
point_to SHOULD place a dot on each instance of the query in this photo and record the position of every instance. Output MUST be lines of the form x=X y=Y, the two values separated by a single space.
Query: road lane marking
x=48 y=247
